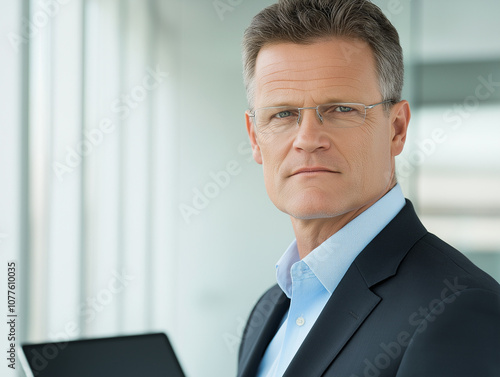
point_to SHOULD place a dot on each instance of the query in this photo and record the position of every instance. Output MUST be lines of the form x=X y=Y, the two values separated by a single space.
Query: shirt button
x=300 y=321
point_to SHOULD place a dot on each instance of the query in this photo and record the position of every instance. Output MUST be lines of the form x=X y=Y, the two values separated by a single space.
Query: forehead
x=335 y=69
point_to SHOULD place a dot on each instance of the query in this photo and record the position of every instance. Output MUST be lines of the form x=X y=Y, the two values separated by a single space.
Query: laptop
x=149 y=355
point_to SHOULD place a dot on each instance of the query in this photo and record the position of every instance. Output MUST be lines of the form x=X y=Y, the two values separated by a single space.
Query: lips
x=313 y=169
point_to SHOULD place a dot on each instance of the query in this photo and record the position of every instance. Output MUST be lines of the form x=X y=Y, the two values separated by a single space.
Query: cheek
x=367 y=153
x=272 y=159
x=377 y=157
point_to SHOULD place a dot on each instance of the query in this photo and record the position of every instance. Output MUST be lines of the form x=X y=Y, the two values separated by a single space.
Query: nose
x=311 y=134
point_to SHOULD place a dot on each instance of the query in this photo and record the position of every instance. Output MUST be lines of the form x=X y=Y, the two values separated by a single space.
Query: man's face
x=352 y=167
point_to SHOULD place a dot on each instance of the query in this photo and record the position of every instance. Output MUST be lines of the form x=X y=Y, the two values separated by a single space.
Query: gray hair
x=306 y=21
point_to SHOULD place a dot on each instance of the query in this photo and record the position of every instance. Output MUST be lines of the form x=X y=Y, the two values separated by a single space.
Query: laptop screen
x=125 y=356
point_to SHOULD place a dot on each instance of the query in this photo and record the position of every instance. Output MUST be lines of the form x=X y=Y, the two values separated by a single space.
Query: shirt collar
x=284 y=266
x=330 y=260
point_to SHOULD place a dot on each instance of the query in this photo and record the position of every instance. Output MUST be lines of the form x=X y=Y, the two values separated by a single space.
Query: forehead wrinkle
x=286 y=85
x=300 y=66
x=327 y=80
x=295 y=96
x=314 y=69
x=288 y=80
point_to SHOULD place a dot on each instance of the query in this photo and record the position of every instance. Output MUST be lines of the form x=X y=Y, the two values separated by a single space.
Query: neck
x=310 y=233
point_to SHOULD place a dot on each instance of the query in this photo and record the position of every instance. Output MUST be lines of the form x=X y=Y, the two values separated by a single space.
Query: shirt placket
x=305 y=287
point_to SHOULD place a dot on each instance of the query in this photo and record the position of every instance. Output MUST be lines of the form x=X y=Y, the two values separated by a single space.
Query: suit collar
x=381 y=257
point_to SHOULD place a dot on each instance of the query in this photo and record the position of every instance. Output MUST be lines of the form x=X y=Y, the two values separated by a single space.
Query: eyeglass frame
x=320 y=117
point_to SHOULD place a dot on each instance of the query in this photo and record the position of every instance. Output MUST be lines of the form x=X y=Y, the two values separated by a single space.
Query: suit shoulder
x=439 y=257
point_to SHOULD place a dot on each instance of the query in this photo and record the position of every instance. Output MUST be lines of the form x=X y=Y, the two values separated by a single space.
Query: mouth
x=312 y=170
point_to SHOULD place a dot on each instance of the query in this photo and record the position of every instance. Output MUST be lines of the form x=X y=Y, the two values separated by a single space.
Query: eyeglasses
x=279 y=119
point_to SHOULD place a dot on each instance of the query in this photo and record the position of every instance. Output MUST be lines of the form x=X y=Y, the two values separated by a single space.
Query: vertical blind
x=99 y=258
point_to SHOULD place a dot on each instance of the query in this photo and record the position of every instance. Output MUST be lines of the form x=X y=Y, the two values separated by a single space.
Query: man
x=364 y=290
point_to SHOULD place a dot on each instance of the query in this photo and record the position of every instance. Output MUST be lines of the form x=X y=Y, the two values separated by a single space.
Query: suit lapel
x=353 y=301
x=266 y=332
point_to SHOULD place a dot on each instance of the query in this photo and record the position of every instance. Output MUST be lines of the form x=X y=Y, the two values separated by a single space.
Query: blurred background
x=129 y=199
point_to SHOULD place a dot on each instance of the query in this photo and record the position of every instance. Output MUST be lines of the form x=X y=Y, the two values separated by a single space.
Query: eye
x=343 y=109
x=283 y=114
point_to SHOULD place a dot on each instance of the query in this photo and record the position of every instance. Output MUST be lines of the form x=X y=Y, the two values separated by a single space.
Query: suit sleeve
x=460 y=337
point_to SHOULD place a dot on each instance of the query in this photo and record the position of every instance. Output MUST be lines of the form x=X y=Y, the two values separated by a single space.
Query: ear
x=257 y=156
x=400 y=118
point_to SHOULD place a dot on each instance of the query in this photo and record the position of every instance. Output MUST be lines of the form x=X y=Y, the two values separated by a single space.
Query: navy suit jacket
x=410 y=305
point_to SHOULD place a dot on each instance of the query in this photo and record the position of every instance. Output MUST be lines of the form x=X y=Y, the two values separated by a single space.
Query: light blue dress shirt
x=310 y=282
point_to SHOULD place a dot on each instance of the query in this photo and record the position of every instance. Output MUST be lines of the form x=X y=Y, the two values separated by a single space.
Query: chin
x=310 y=215
x=314 y=208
